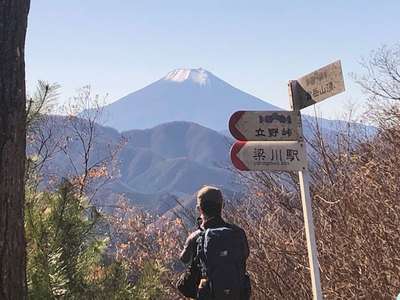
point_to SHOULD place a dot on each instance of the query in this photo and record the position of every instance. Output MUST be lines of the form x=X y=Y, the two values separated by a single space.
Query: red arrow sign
x=234 y=156
x=265 y=125
x=269 y=156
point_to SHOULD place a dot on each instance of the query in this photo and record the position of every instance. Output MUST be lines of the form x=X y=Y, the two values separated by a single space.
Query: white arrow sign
x=269 y=156
x=265 y=125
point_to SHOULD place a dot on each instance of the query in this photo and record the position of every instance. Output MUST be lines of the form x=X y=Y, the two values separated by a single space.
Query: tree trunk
x=13 y=23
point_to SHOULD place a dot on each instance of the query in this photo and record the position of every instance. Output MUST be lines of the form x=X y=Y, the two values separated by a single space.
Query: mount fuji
x=175 y=140
x=194 y=95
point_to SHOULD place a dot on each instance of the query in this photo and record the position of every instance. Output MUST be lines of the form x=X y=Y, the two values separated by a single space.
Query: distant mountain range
x=193 y=95
x=156 y=166
x=176 y=140
x=176 y=157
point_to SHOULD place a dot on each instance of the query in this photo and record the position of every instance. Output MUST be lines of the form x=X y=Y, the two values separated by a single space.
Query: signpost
x=317 y=86
x=265 y=125
x=273 y=141
x=273 y=156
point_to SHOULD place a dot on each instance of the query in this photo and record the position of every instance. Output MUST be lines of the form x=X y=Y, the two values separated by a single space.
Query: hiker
x=216 y=253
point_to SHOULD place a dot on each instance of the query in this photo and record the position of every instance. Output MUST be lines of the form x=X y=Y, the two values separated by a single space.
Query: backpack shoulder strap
x=200 y=254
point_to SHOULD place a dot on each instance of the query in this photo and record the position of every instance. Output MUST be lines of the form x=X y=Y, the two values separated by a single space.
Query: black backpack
x=222 y=262
x=189 y=280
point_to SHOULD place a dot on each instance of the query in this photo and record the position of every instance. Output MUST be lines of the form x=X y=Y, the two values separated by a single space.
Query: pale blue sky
x=120 y=46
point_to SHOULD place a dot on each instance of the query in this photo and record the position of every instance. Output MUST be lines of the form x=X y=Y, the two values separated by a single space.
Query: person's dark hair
x=210 y=201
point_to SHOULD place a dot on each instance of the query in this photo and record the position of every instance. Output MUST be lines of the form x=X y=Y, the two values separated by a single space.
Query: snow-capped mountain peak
x=199 y=76
x=194 y=95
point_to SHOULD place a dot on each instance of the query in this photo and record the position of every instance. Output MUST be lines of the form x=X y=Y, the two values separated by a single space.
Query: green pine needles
x=65 y=255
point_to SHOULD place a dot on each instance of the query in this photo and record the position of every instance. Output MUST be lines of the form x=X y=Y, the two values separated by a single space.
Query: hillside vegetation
x=76 y=250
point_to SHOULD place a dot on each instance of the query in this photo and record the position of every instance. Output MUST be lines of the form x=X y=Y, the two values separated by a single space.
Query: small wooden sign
x=317 y=86
x=265 y=125
x=269 y=156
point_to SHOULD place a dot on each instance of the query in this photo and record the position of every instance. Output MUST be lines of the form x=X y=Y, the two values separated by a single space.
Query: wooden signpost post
x=273 y=141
